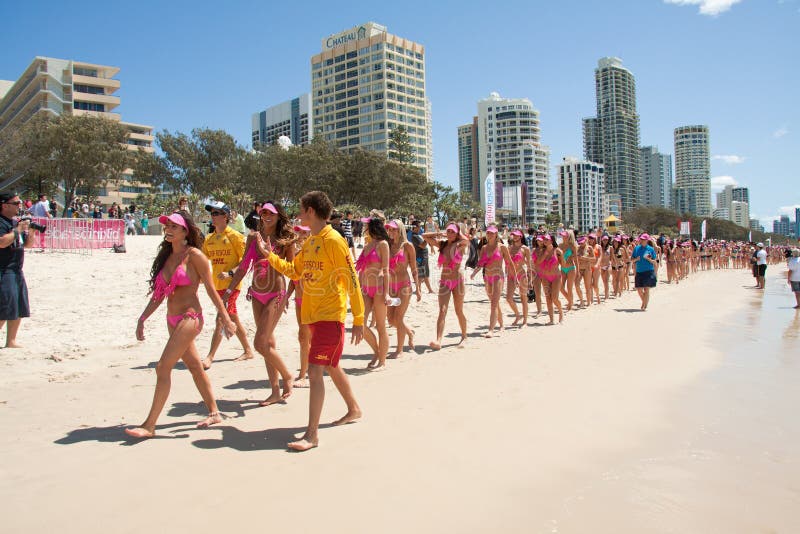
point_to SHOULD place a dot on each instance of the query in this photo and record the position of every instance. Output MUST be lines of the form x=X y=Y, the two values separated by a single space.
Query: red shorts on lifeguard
x=231 y=300
x=327 y=343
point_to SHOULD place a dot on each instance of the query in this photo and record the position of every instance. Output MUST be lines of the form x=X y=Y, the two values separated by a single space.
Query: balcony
x=109 y=84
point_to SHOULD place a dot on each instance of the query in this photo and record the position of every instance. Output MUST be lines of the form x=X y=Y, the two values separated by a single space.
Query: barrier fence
x=80 y=235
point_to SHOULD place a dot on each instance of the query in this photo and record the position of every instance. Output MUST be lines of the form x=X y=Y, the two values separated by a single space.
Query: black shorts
x=762 y=270
x=645 y=279
x=423 y=271
x=13 y=296
x=349 y=242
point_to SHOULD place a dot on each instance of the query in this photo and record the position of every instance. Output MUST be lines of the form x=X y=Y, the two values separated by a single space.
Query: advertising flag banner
x=685 y=227
x=490 y=199
x=703 y=231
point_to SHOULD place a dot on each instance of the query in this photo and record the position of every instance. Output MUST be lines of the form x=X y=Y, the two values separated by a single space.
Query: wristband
x=228 y=291
x=230 y=273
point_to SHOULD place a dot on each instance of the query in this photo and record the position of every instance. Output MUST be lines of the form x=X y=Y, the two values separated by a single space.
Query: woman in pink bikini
x=451 y=252
x=267 y=291
x=373 y=276
x=547 y=262
x=521 y=259
x=177 y=271
x=491 y=256
x=303 y=332
x=402 y=260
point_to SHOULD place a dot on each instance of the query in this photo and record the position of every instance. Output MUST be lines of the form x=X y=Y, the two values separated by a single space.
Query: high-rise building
x=612 y=138
x=782 y=226
x=725 y=197
x=468 y=178
x=740 y=213
x=722 y=213
x=581 y=188
x=365 y=83
x=291 y=119
x=755 y=224
x=692 y=171
x=656 y=177
x=797 y=223
x=66 y=87
x=742 y=194
x=509 y=143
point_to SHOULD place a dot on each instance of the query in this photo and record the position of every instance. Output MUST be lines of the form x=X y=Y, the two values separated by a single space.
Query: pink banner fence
x=68 y=234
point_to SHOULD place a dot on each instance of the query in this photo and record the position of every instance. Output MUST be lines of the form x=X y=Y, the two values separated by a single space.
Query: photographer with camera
x=14 y=239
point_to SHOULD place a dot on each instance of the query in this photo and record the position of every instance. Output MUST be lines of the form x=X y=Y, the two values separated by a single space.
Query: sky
x=729 y=64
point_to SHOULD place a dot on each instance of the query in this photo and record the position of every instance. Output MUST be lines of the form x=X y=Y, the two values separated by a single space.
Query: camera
x=36 y=226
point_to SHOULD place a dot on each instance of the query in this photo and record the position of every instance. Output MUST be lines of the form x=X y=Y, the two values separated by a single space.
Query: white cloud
x=718 y=183
x=780 y=132
x=730 y=159
x=707 y=7
x=788 y=210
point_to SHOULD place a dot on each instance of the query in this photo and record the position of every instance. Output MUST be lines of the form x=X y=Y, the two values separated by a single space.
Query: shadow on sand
x=257 y=440
x=116 y=434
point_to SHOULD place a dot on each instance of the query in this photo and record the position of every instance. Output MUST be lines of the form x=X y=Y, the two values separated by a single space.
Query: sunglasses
x=17 y=203
x=217 y=213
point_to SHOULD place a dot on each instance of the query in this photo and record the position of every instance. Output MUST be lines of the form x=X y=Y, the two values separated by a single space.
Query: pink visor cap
x=491 y=229
x=517 y=232
x=646 y=237
x=269 y=207
x=176 y=218
x=391 y=224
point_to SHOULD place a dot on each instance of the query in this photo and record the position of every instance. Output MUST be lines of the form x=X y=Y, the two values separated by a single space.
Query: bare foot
x=394 y=355
x=372 y=363
x=300 y=383
x=489 y=334
x=302 y=445
x=462 y=343
x=140 y=432
x=244 y=356
x=287 y=388
x=435 y=345
x=275 y=398
x=207 y=363
x=517 y=320
x=349 y=417
x=13 y=345
x=212 y=419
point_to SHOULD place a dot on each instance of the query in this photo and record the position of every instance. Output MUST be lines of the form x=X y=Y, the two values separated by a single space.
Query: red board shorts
x=327 y=343
x=231 y=300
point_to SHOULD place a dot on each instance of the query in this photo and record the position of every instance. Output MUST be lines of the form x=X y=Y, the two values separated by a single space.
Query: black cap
x=216 y=205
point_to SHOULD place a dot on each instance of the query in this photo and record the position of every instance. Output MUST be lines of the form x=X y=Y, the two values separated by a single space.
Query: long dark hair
x=376 y=230
x=193 y=239
x=283 y=229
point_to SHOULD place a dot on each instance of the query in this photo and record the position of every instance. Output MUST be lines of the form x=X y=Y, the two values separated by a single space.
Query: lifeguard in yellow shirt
x=225 y=249
x=326 y=268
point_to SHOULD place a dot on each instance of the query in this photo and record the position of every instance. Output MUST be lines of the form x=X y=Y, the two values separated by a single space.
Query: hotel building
x=656 y=177
x=468 y=178
x=291 y=118
x=367 y=82
x=581 y=193
x=692 y=171
x=65 y=87
x=509 y=143
x=612 y=137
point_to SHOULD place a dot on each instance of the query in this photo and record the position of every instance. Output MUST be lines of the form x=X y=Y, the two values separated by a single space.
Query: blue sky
x=730 y=64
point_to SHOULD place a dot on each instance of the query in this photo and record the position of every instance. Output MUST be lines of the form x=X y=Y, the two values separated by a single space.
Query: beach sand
x=678 y=419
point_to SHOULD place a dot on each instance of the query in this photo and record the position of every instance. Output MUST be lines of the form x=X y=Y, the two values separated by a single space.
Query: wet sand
x=680 y=419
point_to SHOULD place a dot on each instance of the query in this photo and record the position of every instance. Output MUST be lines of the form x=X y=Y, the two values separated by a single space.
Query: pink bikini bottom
x=395 y=287
x=264 y=298
x=450 y=284
x=175 y=320
x=371 y=291
x=490 y=279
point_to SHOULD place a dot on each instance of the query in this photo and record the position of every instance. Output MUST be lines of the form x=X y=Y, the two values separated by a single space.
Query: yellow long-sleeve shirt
x=329 y=277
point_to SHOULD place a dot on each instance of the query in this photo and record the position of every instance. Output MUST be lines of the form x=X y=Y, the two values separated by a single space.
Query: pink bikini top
x=252 y=258
x=366 y=259
x=548 y=264
x=516 y=258
x=486 y=260
x=453 y=263
x=397 y=259
x=164 y=289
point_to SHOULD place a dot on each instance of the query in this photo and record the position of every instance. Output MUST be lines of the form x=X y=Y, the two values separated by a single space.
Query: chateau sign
x=353 y=34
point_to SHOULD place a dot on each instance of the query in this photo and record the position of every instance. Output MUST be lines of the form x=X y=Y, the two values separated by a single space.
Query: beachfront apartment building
x=509 y=143
x=365 y=83
x=612 y=137
x=783 y=226
x=291 y=118
x=656 y=177
x=581 y=191
x=66 y=87
x=732 y=202
x=740 y=213
x=468 y=177
x=692 y=192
